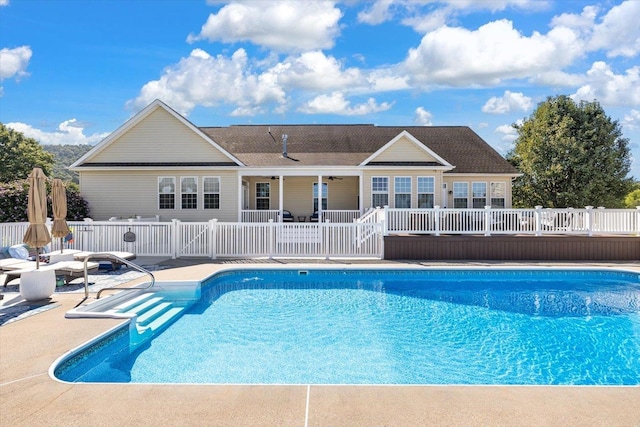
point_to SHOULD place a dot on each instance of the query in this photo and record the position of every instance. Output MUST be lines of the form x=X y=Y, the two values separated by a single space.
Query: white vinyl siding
x=404 y=150
x=160 y=129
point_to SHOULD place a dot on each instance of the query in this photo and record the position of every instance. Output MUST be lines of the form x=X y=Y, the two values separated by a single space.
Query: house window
x=479 y=190
x=325 y=196
x=426 y=191
x=498 y=191
x=263 y=195
x=166 y=192
x=402 y=191
x=189 y=192
x=211 y=192
x=460 y=195
x=379 y=191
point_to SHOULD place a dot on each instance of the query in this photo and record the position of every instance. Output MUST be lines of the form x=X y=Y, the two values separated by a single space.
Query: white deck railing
x=360 y=238
x=488 y=221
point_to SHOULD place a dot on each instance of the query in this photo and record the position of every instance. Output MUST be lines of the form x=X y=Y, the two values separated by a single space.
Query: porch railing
x=538 y=221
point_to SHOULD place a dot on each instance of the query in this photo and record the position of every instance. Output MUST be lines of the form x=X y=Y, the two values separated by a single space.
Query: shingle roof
x=350 y=145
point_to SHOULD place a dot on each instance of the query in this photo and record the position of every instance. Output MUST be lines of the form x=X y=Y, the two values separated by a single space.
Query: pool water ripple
x=388 y=328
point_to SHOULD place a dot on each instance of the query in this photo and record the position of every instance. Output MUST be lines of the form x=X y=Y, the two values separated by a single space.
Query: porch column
x=361 y=193
x=239 y=196
x=320 y=194
x=280 y=196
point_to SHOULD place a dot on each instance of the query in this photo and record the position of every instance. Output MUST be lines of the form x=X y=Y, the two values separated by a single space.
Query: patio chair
x=314 y=217
x=68 y=270
x=287 y=216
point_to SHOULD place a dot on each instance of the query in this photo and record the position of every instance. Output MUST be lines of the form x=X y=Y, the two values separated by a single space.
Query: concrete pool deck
x=29 y=397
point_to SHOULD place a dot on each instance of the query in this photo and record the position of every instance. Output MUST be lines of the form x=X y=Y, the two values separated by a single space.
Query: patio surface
x=29 y=397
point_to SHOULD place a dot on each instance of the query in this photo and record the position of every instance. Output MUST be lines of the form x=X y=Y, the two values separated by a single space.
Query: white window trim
x=504 y=196
x=324 y=185
x=453 y=188
x=486 y=193
x=378 y=192
x=219 y=193
x=174 y=180
x=195 y=178
x=395 y=179
x=418 y=193
x=255 y=195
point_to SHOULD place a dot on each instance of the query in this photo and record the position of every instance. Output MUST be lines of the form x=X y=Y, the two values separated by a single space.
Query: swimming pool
x=543 y=327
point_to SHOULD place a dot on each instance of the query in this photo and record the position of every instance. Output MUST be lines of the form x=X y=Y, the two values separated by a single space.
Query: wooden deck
x=512 y=248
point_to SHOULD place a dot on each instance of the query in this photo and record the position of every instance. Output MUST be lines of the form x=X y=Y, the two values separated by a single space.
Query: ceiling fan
x=331 y=178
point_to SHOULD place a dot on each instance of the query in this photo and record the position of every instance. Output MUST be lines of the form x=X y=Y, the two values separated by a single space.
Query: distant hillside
x=65 y=155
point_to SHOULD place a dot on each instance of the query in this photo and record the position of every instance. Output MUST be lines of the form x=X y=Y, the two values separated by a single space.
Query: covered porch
x=298 y=196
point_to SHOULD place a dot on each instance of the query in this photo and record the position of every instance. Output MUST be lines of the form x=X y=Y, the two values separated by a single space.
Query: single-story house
x=160 y=164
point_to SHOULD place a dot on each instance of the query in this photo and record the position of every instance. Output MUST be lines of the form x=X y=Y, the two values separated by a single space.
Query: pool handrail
x=111 y=256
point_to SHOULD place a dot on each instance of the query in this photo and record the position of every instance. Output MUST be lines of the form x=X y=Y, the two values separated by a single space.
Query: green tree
x=570 y=155
x=632 y=199
x=19 y=155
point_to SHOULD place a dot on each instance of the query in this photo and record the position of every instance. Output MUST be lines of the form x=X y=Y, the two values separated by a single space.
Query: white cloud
x=510 y=101
x=489 y=55
x=69 y=132
x=608 y=88
x=201 y=79
x=509 y=135
x=14 y=62
x=423 y=117
x=315 y=71
x=283 y=26
x=4 y=2
x=336 y=103
x=377 y=14
x=619 y=31
x=631 y=121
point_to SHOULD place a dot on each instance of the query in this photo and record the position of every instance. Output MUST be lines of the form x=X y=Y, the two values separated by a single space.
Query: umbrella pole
x=37 y=258
x=61 y=246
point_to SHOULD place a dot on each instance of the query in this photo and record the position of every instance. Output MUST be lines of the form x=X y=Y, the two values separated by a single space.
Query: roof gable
x=137 y=142
x=405 y=148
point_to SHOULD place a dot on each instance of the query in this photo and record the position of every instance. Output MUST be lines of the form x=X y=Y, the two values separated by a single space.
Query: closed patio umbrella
x=59 y=206
x=37 y=234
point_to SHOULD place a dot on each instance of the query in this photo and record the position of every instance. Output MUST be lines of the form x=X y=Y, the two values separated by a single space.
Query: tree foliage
x=632 y=199
x=64 y=156
x=570 y=155
x=14 y=197
x=19 y=155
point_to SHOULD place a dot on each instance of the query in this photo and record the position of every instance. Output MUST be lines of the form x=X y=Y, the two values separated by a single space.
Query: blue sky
x=73 y=71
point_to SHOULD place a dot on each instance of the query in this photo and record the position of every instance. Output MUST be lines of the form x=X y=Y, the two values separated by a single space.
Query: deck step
x=163 y=320
x=144 y=306
x=153 y=313
x=130 y=303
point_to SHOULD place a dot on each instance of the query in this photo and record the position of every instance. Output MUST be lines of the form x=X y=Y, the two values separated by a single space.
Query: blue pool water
x=390 y=327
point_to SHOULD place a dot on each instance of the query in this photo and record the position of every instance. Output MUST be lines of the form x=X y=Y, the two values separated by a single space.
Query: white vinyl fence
x=217 y=239
x=363 y=237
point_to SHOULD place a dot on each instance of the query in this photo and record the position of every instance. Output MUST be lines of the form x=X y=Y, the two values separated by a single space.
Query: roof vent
x=284 y=145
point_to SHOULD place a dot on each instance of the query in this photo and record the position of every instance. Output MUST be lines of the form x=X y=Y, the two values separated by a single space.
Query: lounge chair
x=95 y=256
x=69 y=270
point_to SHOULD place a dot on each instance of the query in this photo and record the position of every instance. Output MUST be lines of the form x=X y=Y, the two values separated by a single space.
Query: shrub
x=14 y=197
